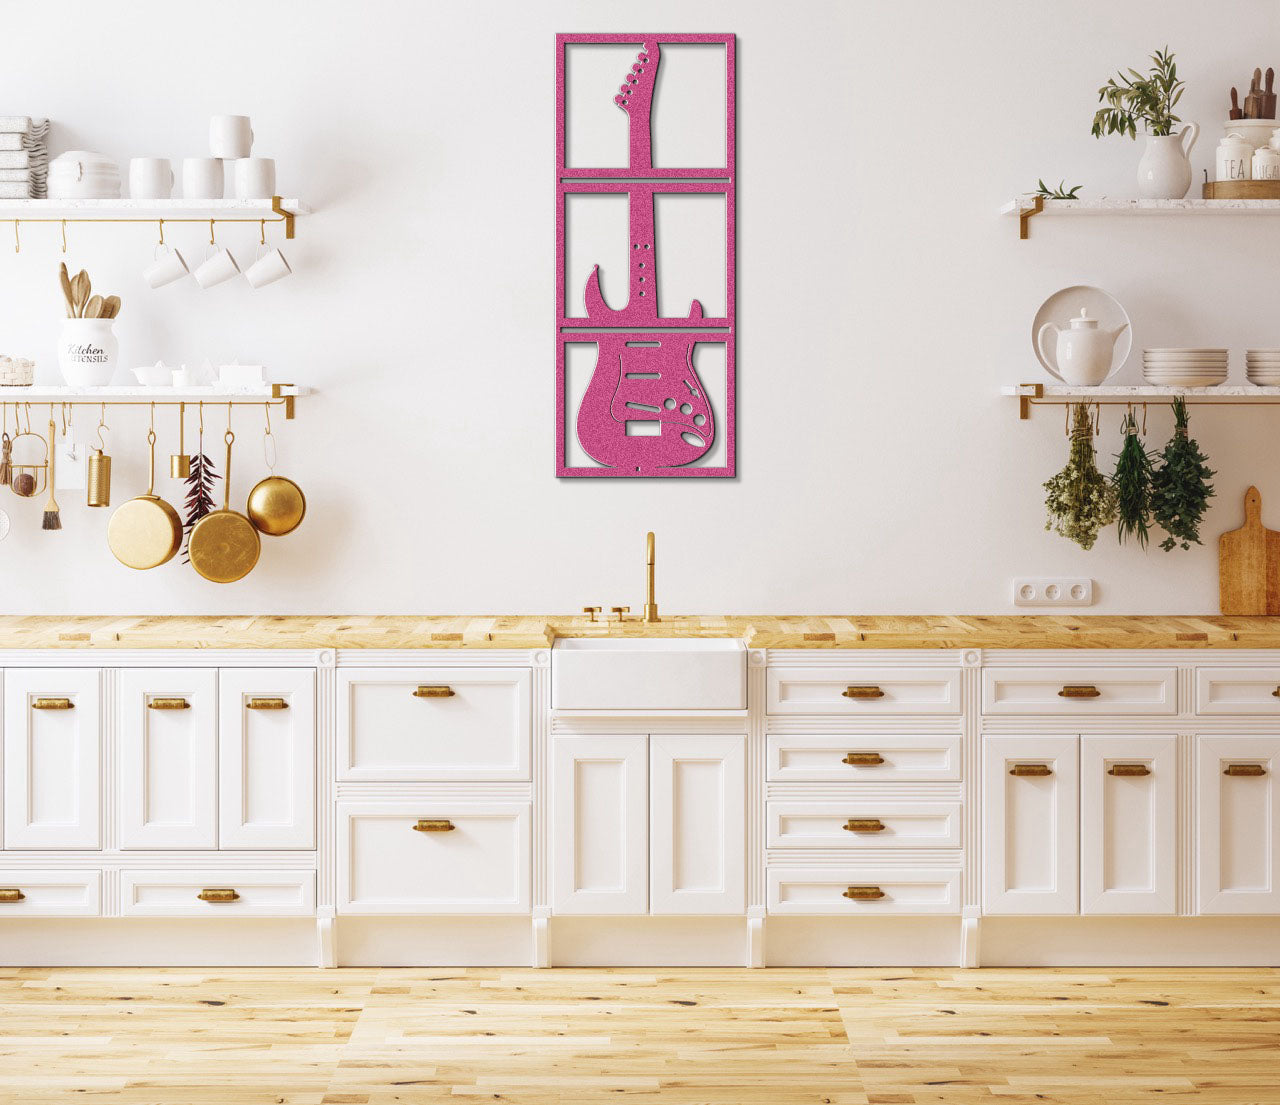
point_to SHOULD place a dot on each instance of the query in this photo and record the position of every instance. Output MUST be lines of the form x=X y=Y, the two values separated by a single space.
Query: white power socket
x=1053 y=591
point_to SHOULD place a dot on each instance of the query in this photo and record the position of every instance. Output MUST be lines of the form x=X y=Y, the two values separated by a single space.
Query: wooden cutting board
x=1249 y=564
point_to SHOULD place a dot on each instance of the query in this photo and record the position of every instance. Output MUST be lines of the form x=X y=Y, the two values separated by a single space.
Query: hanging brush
x=52 y=517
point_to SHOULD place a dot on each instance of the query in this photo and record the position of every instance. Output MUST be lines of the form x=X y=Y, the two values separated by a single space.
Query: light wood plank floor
x=687 y=1037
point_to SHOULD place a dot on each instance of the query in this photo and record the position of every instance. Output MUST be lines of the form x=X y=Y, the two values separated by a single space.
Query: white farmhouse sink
x=648 y=673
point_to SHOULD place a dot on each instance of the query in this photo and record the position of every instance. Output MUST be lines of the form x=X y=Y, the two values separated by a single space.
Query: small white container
x=87 y=351
x=1233 y=158
x=1266 y=164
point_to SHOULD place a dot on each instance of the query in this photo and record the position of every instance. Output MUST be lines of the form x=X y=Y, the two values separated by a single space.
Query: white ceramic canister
x=1266 y=164
x=87 y=351
x=1233 y=160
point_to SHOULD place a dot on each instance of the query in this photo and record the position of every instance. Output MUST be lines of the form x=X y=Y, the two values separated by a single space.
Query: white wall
x=881 y=301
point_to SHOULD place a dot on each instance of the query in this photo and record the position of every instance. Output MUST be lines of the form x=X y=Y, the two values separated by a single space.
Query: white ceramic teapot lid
x=1083 y=322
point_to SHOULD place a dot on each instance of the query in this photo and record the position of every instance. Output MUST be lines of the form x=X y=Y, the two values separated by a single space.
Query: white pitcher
x=1164 y=173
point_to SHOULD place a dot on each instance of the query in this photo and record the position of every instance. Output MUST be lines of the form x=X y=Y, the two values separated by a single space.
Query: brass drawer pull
x=433 y=692
x=864 y=825
x=1276 y=693
x=1128 y=770
x=168 y=704
x=218 y=894
x=1031 y=771
x=266 y=704
x=11 y=894
x=1249 y=770
x=1079 y=690
x=53 y=704
x=870 y=691
x=434 y=825
x=863 y=759
x=864 y=893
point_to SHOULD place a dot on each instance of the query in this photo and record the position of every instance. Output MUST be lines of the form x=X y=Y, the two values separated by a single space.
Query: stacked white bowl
x=1262 y=367
x=79 y=174
x=1184 y=367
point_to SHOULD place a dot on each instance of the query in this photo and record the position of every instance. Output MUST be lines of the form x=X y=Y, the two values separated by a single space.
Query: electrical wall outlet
x=1053 y=591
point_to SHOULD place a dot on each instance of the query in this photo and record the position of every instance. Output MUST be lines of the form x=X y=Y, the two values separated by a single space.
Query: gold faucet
x=650 y=604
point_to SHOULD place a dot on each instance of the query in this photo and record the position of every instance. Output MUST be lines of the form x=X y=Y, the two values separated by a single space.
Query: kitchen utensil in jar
x=1253 y=98
x=224 y=546
x=1269 y=96
x=276 y=504
x=145 y=532
x=1235 y=112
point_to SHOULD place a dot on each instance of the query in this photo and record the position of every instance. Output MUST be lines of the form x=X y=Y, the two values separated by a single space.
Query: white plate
x=1065 y=304
x=1206 y=381
x=1187 y=349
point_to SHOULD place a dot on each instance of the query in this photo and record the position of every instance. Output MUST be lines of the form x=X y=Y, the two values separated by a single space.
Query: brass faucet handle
x=592 y=610
x=620 y=610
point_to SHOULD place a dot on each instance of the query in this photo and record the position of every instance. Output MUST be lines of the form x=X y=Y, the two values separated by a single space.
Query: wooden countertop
x=534 y=631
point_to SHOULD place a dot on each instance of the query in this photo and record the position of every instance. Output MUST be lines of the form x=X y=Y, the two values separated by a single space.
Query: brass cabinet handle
x=433 y=692
x=11 y=894
x=434 y=825
x=1033 y=771
x=1123 y=770
x=1276 y=693
x=53 y=704
x=1079 y=690
x=218 y=894
x=168 y=704
x=266 y=704
x=1249 y=770
x=862 y=759
x=864 y=893
x=869 y=691
x=864 y=825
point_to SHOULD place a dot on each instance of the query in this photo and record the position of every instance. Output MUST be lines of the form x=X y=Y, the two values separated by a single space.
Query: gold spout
x=650 y=604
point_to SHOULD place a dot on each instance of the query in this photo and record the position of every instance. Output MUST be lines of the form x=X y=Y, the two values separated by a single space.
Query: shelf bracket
x=1024 y=218
x=276 y=393
x=287 y=216
x=1026 y=393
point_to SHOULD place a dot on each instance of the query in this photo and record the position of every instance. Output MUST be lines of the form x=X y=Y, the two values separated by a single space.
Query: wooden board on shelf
x=1249 y=564
x=1241 y=190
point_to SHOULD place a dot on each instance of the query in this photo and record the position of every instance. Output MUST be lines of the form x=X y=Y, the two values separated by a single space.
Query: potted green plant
x=1165 y=169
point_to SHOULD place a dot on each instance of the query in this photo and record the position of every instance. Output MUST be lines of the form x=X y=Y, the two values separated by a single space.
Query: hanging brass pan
x=224 y=546
x=145 y=532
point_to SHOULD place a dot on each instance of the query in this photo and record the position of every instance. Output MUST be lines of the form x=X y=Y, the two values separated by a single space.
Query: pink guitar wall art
x=645 y=411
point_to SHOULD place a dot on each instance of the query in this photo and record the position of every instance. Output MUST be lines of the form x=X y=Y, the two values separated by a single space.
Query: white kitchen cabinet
x=1128 y=824
x=600 y=824
x=168 y=757
x=52 y=758
x=267 y=752
x=697 y=846
x=1238 y=824
x=1031 y=819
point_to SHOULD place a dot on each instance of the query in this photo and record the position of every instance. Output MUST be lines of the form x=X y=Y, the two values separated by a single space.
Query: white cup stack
x=1262 y=367
x=1185 y=367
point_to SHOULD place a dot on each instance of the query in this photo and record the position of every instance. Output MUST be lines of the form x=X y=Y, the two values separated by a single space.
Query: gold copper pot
x=223 y=545
x=276 y=506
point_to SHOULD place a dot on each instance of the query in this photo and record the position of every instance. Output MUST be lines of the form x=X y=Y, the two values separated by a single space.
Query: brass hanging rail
x=273 y=395
x=1040 y=395
x=150 y=211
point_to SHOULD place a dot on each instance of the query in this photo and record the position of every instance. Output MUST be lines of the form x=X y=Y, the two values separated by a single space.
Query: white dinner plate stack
x=1185 y=368
x=81 y=175
x=1262 y=367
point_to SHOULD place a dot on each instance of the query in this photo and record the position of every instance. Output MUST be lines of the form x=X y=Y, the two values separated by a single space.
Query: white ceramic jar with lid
x=1234 y=158
x=1266 y=164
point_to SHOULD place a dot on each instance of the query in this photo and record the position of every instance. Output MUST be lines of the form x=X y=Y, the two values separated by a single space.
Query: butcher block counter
x=538 y=631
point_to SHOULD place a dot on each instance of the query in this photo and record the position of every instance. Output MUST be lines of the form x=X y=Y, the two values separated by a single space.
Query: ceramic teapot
x=1082 y=355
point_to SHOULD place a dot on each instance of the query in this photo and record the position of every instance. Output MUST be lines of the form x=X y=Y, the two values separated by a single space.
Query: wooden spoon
x=65 y=281
x=80 y=292
x=110 y=307
x=93 y=309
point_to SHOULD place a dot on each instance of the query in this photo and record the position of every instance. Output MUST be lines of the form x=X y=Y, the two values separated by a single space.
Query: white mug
x=267 y=269
x=150 y=178
x=201 y=178
x=216 y=268
x=255 y=178
x=166 y=269
x=230 y=136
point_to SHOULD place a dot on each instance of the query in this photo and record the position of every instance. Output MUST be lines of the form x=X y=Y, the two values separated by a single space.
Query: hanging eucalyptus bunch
x=1132 y=481
x=1180 y=488
x=1080 y=500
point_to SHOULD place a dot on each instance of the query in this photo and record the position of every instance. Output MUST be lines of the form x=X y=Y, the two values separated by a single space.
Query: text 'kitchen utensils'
x=224 y=545
x=145 y=532
x=1081 y=335
x=276 y=504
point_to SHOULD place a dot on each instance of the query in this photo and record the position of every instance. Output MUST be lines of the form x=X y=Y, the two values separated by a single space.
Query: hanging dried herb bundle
x=1080 y=501
x=1181 y=489
x=1132 y=481
x=199 y=501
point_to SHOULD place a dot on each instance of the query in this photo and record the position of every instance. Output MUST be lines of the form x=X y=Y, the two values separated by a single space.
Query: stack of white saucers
x=1184 y=368
x=1262 y=367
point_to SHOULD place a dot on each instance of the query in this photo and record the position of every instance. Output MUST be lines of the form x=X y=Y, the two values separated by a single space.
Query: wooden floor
x=376 y=1037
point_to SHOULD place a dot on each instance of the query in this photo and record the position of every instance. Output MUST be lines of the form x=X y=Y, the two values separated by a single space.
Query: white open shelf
x=1028 y=207
x=135 y=394
x=149 y=210
x=1031 y=395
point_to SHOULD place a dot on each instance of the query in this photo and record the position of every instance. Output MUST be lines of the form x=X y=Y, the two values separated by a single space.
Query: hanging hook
x=201 y=416
x=228 y=416
x=268 y=441
x=1144 y=420
x=27 y=412
x=211 y=239
x=64 y=235
x=17 y=240
x=102 y=425
x=67 y=419
x=160 y=224
x=1097 y=419
x=1066 y=419
x=153 y=417
x=262 y=232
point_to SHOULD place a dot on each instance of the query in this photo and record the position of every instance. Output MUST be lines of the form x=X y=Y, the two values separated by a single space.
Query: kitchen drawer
x=481 y=864
x=863 y=692
x=860 y=823
x=434 y=724
x=225 y=893
x=1079 y=692
x=862 y=758
x=1238 y=691
x=50 y=893
x=890 y=890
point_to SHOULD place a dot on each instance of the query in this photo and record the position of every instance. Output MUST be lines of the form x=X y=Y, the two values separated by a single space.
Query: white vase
x=1164 y=173
x=87 y=352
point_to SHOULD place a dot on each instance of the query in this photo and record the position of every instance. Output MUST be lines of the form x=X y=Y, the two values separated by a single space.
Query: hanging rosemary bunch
x=199 y=501
x=1080 y=501
x=1132 y=481
x=1180 y=489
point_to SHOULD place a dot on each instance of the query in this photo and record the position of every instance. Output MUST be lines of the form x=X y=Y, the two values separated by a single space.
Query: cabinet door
x=168 y=758
x=52 y=758
x=267 y=723
x=600 y=825
x=1238 y=828
x=1031 y=824
x=1128 y=824
x=697 y=824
